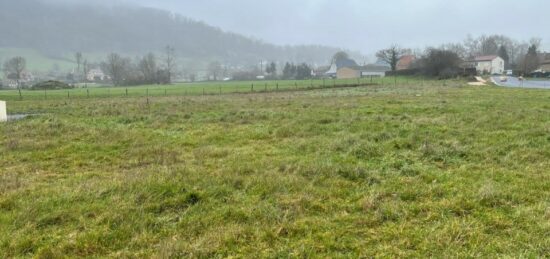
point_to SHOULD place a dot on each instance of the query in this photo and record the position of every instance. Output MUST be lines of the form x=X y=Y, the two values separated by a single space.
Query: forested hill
x=55 y=29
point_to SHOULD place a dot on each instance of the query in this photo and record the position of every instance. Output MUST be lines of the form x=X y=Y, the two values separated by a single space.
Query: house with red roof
x=405 y=62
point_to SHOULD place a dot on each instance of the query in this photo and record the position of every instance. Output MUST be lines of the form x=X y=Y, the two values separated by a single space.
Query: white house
x=488 y=64
x=26 y=79
x=96 y=75
x=374 y=70
x=339 y=64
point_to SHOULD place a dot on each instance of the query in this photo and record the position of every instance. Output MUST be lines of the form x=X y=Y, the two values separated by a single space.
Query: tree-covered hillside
x=58 y=29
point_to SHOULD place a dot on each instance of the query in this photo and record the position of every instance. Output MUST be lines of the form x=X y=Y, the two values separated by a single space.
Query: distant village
x=28 y=78
x=441 y=62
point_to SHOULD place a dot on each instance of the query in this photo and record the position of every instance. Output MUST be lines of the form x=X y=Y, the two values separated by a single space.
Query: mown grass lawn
x=378 y=171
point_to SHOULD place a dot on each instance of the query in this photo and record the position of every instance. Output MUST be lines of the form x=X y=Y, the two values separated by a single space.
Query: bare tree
x=78 y=57
x=14 y=68
x=392 y=55
x=457 y=48
x=489 y=46
x=85 y=70
x=535 y=42
x=471 y=45
x=503 y=53
x=115 y=66
x=215 y=69
x=170 y=62
x=192 y=77
x=148 y=68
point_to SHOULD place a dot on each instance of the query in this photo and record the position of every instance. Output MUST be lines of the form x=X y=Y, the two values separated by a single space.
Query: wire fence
x=198 y=89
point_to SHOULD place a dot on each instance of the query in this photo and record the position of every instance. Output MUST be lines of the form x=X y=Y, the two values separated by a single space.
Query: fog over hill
x=366 y=26
x=56 y=28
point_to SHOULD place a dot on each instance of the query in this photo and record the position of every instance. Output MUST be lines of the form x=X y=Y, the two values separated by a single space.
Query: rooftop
x=405 y=62
x=485 y=58
x=370 y=68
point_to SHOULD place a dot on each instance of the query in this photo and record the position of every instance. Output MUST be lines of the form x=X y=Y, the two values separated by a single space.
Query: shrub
x=51 y=85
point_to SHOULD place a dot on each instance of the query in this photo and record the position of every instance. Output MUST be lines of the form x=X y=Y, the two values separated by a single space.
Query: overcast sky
x=367 y=25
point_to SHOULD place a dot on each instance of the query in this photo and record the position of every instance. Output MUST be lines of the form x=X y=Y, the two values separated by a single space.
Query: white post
x=3 y=113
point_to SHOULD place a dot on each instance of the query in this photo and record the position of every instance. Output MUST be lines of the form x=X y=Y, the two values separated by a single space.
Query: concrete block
x=3 y=112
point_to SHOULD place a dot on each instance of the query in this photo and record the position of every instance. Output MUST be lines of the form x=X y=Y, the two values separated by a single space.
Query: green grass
x=378 y=171
x=209 y=88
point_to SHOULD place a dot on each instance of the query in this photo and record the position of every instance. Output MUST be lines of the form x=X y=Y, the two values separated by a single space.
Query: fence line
x=195 y=90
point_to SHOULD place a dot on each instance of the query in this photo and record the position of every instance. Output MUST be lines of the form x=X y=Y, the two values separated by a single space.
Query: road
x=515 y=82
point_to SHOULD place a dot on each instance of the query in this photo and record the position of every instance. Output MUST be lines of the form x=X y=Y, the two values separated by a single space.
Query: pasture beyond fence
x=214 y=88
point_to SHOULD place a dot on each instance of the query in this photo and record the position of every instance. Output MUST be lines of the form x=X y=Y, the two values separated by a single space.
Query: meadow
x=205 y=88
x=417 y=169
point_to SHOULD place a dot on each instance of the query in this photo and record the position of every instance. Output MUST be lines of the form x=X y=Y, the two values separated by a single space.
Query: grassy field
x=417 y=170
x=209 y=88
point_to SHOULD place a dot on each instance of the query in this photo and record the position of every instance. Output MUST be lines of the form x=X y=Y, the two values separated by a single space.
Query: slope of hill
x=40 y=61
x=58 y=29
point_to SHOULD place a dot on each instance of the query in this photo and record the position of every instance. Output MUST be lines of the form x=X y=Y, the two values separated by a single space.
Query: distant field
x=209 y=88
x=416 y=170
x=36 y=61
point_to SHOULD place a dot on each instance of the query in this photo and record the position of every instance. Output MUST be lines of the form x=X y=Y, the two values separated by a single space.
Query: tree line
x=148 y=69
x=446 y=60
x=443 y=62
